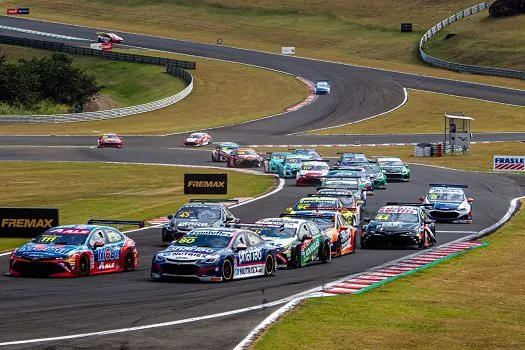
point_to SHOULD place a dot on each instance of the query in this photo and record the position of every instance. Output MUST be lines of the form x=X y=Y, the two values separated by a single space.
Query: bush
x=505 y=8
x=29 y=82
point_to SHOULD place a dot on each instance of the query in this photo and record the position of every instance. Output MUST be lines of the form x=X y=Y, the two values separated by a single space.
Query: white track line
x=357 y=121
x=469 y=98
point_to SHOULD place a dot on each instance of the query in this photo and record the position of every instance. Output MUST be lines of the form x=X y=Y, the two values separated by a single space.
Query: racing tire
x=339 y=247
x=83 y=266
x=363 y=244
x=266 y=167
x=99 y=40
x=129 y=261
x=227 y=270
x=269 y=265
x=295 y=261
x=325 y=254
x=423 y=242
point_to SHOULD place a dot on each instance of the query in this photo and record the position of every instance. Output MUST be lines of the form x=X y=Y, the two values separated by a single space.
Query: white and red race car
x=311 y=173
x=104 y=37
x=198 y=139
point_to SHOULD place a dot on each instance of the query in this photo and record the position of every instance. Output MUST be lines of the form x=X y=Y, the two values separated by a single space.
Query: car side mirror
x=288 y=210
x=170 y=216
x=470 y=200
x=367 y=219
x=343 y=227
x=240 y=247
x=421 y=198
x=98 y=244
x=359 y=202
x=428 y=222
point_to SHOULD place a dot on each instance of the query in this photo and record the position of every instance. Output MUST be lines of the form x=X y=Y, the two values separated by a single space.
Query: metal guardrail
x=174 y=67
x=457 y=66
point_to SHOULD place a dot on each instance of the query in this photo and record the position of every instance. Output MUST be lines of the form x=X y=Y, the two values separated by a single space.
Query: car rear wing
x=342 y=177
x=253 y=225
x=448 y=185
x=306 y=215
x=119 y=223
x=213 y=200
x=409 y=204
x=320 y=208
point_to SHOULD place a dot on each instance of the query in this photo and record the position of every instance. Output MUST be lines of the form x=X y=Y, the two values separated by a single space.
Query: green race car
x=394 y=169
x=376 y=175
x=291 y=165
x=271 y=164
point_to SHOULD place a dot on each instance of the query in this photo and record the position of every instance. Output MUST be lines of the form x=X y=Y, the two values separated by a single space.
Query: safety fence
x=457 y=66
x=174 y=67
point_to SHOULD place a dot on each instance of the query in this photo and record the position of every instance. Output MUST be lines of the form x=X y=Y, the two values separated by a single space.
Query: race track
x=40 y=308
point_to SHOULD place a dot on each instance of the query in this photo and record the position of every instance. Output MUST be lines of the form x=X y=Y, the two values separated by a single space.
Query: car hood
x=47 y=251
x=293 y=165
x=279 y=242
x=445 y=205
x=190 y=224
x=189 y=253
x=312 y=173
x=191 y=139
x=392 y=226
x=393 y=169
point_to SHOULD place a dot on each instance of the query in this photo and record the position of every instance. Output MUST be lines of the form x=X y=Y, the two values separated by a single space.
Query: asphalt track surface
x=35 y=308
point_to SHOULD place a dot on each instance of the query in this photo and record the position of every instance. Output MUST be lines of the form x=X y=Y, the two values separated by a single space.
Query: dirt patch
x=101 y=103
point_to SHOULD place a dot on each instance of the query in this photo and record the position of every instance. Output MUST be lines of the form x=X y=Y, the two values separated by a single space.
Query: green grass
x=472 y=301
x=424 y=113
x=361 y=31
x=43 y=107
x=480 y=158
x=128 y=192
x=478 y=41
x=216 y=100
x=125 y=83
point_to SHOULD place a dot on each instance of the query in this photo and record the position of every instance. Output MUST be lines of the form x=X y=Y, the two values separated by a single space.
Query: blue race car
x=215 y=254
x=322 y=87
x=349 y=158
x=271 y=165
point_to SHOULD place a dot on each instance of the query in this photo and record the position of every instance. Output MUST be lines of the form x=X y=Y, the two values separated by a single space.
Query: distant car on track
x=291 y=164
x=374 y=171
x=216 y=254
x=322 y=87
x=349 y=158
x=244 y=158
x=222 y=151
x=394 y=169
x=109 y=140
x=311 y=172
x=75 y=251
x=404 y=224
x=104 y=37
x=196 y=215
x=198 y=139
x=448 y=203
x=271 y=164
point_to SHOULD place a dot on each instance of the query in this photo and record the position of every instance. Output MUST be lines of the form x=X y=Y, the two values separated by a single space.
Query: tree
x=503 y=8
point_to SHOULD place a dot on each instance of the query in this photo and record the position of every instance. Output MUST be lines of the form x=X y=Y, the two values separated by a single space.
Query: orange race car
x=334 y=224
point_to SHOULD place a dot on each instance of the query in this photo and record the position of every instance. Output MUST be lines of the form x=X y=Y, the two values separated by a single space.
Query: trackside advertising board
x=205 y=183
x=18 y=11
x=26 y=222
x=509 y=163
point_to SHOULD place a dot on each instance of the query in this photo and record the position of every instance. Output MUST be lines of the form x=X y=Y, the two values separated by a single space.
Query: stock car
x=358 y=173
x=311 y=172
x=310 y=152
x=374 y=171
x=342 y=234
x=215 y=254
x=222 y=151
x=271 y=164
x=75 y=251
x=298 y=242
x=448 y=203
x=399 y=224
x=351 y=184
x=349 y=158
x=291 y=164
x=394 y=168
x=196 y=214
x=244 y=158
x=314 y=203
x=109 y=140
x=347 y=196
x=198 y=139
x=103 y=37
x=322 y=87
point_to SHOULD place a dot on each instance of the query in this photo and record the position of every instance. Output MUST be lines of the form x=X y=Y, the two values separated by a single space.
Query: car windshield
x=67 y=239
x=353 y=157
x=446 y=197
x=313 y=204
x=276 y=232
x=109 y=136
x=316 y=167
x=324 y=223
x=338 y=184
x=204 y=240
x=204 y=213
x=322 y=83
x=371 y=168
x=391 y=163
x=277 y=156
x=246 y=152
x=293 y=160
x=397 y=217
x=196 y=136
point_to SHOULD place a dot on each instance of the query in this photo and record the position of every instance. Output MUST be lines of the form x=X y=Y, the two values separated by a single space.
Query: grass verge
x=480 y=158
x=224 y=93
x=128 y=192
x=125 y=83
x=424 y=113
x=472 y=301
x=336 y=30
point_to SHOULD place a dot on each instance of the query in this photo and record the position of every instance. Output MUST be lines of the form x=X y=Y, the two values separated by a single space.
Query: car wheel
x=269 y=265
x=227 y=270
x=129 y=261
x=266 y=167
x=325 y=252
x=422 y=242
x=339 y=247
x=295 y=260
x=363 y=244
x=83 y=266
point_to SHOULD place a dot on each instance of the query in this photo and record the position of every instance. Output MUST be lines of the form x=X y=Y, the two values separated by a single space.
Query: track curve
x=62 y=307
